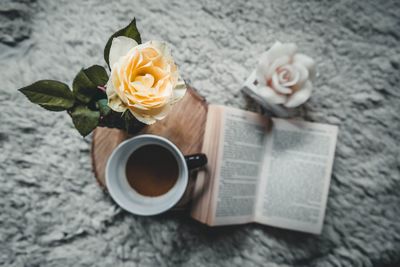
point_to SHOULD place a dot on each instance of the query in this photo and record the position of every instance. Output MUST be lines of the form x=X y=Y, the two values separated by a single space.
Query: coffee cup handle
x=195 y=161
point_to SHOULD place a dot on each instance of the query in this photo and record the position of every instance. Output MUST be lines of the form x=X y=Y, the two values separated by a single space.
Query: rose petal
x=278 y=87
x=163 y=112
x=259 y=75
x=114 y=102
x=179 y=90
x=270 y=95
x=119 y=47
x=147 y=80
x=151 y=116
x=293 y=74
x=162 y=48
x=300 y=96
x=142 y=118
x=122 y=94
x=307 y=62
x=263 y=57
x=139 y=87
x=110 y=87
x=276 y=64
x=279 y=50
x=304 y=75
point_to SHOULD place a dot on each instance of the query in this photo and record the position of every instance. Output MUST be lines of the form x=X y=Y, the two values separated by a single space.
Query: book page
x=242 y=143
x=296 y=175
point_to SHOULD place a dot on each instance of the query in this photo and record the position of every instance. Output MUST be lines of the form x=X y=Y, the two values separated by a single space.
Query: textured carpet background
x=53 y=214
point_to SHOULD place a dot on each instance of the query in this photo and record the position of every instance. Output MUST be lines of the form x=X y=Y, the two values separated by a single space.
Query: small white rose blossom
x=284 y=76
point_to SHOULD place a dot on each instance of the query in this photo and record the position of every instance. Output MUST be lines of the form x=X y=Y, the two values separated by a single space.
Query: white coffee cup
x=127 y=197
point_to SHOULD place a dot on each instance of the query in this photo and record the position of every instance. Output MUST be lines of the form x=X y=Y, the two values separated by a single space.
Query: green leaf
x=129 y=31
x=49 y=94
x=129 y=120
x=132 y=125
x=84 y=89
x=84 y=119
x=103 y=107
x=97 y=74
x=86 y=82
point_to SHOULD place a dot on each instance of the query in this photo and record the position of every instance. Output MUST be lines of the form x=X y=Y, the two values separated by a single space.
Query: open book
x=270 y=171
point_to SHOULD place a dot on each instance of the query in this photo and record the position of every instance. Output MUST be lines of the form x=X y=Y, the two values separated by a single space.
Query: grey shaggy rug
x=52 y=213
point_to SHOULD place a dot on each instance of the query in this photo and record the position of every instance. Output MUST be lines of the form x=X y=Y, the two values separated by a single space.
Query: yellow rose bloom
x=144 y=79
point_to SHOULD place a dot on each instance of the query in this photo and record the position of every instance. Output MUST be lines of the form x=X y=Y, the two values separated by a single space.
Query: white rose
x=285 y=76
x=144 y=79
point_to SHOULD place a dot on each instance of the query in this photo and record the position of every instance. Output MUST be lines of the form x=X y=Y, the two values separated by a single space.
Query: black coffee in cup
x=152 y=170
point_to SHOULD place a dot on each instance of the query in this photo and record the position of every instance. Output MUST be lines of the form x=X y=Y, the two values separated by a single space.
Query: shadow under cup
x=122 y=192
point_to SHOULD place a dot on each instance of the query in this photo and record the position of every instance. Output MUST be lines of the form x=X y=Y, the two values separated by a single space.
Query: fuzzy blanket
x=52 y=213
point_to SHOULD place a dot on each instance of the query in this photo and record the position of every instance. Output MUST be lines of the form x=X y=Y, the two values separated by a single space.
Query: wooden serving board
x=184 y=126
